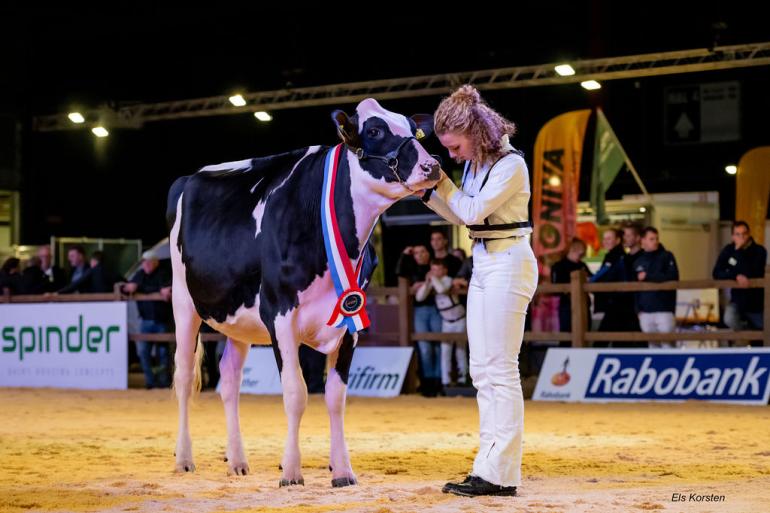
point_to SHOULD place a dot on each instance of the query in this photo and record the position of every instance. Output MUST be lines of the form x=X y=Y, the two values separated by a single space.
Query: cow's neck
x=368 y=205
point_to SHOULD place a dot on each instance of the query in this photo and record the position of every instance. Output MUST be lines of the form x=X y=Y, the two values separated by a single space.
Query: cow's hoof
x=185 y=466
x=240 y=469
x=292 y=482
x=343 y=481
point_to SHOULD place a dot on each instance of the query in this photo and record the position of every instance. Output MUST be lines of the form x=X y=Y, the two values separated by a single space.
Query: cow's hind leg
x=286 y=350
x=231 y=375
x=336 y=390
x=187 y=371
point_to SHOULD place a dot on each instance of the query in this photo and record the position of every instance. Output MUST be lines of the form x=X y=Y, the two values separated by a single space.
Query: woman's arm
x=507 y=178
x=439 y=206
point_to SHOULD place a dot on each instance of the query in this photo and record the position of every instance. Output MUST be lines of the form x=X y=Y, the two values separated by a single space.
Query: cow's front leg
x=231 y=375
x=336 y=390
x=294 y=400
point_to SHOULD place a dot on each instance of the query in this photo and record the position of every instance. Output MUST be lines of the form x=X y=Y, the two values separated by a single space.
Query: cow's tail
x=197 y=381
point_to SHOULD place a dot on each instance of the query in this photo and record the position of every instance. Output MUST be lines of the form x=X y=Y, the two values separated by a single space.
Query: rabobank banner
x=737 y=376
x=64 y=345
x=374 y=371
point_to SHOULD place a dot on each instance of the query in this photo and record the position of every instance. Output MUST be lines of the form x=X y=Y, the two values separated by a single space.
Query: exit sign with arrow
x=702 y=113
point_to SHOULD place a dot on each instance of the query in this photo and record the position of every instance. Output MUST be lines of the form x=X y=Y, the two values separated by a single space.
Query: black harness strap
x=487 y=227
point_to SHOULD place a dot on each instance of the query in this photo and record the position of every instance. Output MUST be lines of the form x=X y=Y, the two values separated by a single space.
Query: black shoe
x=465 y=481
x=474 y=486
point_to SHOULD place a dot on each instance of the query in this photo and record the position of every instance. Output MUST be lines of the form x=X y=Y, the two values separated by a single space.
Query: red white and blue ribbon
x=350 y=310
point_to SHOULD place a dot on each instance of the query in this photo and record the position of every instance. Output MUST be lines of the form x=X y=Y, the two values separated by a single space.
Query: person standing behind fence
x=426 y=318
x=463 y=277
x=33 y=279
x=10 y=276
x=656 y=307
x=99 y=278
x=632 y=242
x=156 y=318
x=618 y=307
x=55 y=275
x=440 y=246
x=453 y=319
x=742 y=260
x=561 y=273
x=76 y=256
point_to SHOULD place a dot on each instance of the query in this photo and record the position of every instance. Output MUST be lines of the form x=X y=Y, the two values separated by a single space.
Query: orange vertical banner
x=752 y=189
x=556 y=177
x=558 y=151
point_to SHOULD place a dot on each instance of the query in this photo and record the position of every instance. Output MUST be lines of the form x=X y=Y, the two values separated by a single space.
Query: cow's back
x=217 y=240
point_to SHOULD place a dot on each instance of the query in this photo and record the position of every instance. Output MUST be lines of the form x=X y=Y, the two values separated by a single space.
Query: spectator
x=440 y=245
x=77 y=259
x=98 y=278
x=560 y=273
x=33 y=279
x=156 y=318
x=656 y=308
x=632 y=239
x=426 y=319
x=740 y=261
x=56 y=276
x=10 y=276
x=459 y=254
x=463 y=277
x=618 y=307
x=453 y=319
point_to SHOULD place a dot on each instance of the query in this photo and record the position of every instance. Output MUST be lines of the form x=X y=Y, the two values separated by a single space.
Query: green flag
x=609 y=158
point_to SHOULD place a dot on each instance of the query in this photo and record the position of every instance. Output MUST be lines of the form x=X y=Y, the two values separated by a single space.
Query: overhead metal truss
x=612 y=68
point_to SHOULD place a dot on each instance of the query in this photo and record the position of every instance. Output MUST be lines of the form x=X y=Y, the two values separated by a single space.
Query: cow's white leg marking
x=336 y=391
x=231 y=375
x=294 y=396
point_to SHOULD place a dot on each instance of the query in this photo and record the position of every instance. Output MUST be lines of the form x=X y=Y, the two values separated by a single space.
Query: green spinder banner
x=64 y=345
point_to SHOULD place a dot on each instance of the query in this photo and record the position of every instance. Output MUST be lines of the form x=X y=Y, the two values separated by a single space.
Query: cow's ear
x=423 y=125
x=346 y=128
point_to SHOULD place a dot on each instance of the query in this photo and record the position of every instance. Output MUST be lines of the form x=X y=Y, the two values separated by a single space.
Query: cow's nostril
x=430 y=165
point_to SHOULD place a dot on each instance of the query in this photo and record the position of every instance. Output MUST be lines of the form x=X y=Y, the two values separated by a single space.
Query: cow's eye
x=373 y=133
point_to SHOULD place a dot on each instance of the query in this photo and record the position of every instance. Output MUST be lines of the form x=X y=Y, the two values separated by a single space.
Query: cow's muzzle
x=431 y=167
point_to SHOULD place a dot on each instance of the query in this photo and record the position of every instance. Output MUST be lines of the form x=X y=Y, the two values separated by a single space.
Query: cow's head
x=387 y=147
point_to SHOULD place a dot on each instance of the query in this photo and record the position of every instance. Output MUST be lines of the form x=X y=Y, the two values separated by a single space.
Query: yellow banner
x=558 y=150
x=752 y=189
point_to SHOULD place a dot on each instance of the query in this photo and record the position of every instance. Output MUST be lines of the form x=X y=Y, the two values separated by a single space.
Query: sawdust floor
x=64 y=450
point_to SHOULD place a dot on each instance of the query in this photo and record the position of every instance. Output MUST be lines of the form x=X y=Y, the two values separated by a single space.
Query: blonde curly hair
x=465 y=112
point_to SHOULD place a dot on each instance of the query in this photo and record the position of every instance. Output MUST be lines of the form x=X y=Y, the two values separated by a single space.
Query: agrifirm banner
x=374 y=372
x=64 y=345
x=735 y=376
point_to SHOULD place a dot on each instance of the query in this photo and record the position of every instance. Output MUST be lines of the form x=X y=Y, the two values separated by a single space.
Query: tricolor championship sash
x=350 y=310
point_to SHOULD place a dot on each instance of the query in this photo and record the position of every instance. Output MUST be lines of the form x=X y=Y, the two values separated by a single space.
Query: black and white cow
x=248 y=259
